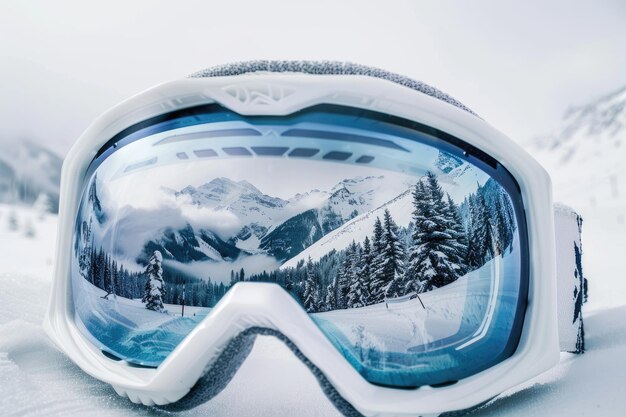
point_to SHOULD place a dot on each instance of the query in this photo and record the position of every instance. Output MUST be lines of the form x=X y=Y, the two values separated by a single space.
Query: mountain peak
x=249 y=186
x=355 y=183
x=584 y=155
x=447 y=162
x=602 y=120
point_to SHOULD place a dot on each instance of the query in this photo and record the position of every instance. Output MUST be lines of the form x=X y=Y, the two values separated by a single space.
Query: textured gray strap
x=571 y=284
x=223 y=369
x=326 y=68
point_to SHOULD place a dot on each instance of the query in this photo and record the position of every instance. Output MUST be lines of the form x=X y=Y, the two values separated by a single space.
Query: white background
x=517 y=64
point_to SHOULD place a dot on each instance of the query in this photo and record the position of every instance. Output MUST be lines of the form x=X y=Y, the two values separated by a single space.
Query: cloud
x=220 y=271
x=221 y=222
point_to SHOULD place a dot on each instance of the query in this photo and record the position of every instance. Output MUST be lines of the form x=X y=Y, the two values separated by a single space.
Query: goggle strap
x=325 y=68
x=571 y=283
x=219 y=373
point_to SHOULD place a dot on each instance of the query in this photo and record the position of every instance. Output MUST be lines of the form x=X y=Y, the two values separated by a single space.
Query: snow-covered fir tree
x=84 y=250
x=482 y=232
x=311 y=292
x=346 y=276
x=505 y=225
x=154 y=290
x=108 y=285
x=390 y=271
x=501 y=231
x=474 y=248
x=331 y=296
x=419 y=269
x=358 y=291
x=437 y=256
x=490 y=223
x=376 y=282
x=115 y=278
x=458 y=241
x=365 y=271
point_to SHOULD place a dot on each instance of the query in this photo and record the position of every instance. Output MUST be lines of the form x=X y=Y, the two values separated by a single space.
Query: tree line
x=101 y=270
x=442 y=242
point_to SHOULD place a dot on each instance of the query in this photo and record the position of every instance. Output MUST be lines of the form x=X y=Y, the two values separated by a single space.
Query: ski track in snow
x=38 y=380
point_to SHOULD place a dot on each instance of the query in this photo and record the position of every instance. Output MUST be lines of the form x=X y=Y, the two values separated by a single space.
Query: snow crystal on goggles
x=406 y=246
x=408 y=253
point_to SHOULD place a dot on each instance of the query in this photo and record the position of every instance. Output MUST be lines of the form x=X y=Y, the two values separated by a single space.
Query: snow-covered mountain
x=602 y=122
x=344 y=202
x=28 y=170
x=271 y=225
x=446 y=162
x=255 y=210
x=358 y=228
x=311 y=221
x=585 y=153
x=456 y=178
x=241 y=198
x=188 y=244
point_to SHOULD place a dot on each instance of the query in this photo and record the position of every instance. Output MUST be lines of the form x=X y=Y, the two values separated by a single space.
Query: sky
x=305 y=176
x=519 y=65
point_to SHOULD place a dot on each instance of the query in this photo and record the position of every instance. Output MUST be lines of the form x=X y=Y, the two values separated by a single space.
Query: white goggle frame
x=250 y=305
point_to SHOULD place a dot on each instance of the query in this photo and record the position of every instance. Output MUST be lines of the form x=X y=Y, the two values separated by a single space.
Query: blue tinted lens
x=407 y=247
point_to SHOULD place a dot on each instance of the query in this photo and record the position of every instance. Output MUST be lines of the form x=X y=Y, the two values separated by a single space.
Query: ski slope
x=402 y=326
x=37 y=380
x=357 y=229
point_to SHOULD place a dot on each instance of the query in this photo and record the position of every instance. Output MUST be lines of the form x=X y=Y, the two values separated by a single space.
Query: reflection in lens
x=409 y=261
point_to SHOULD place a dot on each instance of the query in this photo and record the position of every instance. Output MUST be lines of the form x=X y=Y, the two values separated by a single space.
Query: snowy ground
x=37 y=380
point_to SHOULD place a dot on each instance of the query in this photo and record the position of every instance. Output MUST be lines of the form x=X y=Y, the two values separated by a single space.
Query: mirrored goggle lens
x=408 y=251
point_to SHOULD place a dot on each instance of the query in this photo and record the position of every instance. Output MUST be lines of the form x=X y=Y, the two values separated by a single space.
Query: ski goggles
x=399 y=245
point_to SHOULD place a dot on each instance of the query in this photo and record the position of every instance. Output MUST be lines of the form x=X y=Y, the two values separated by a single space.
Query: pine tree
x=458 y=241
x=345 y=276
x=474 y=247
x=331 y=295
x=154 y=290
x=390 y=270
x=92 y=266
x=84 y=257
x=358 y=291
x=311 y=292
x=505 y=223
x=377 y=240
x=115 y=278
x=99 y=279
x=365 y=271
x=376 y=283
x=234 y=278
x=436 y=258
x=108 y=287
x=484 y=232
x=501 y=228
